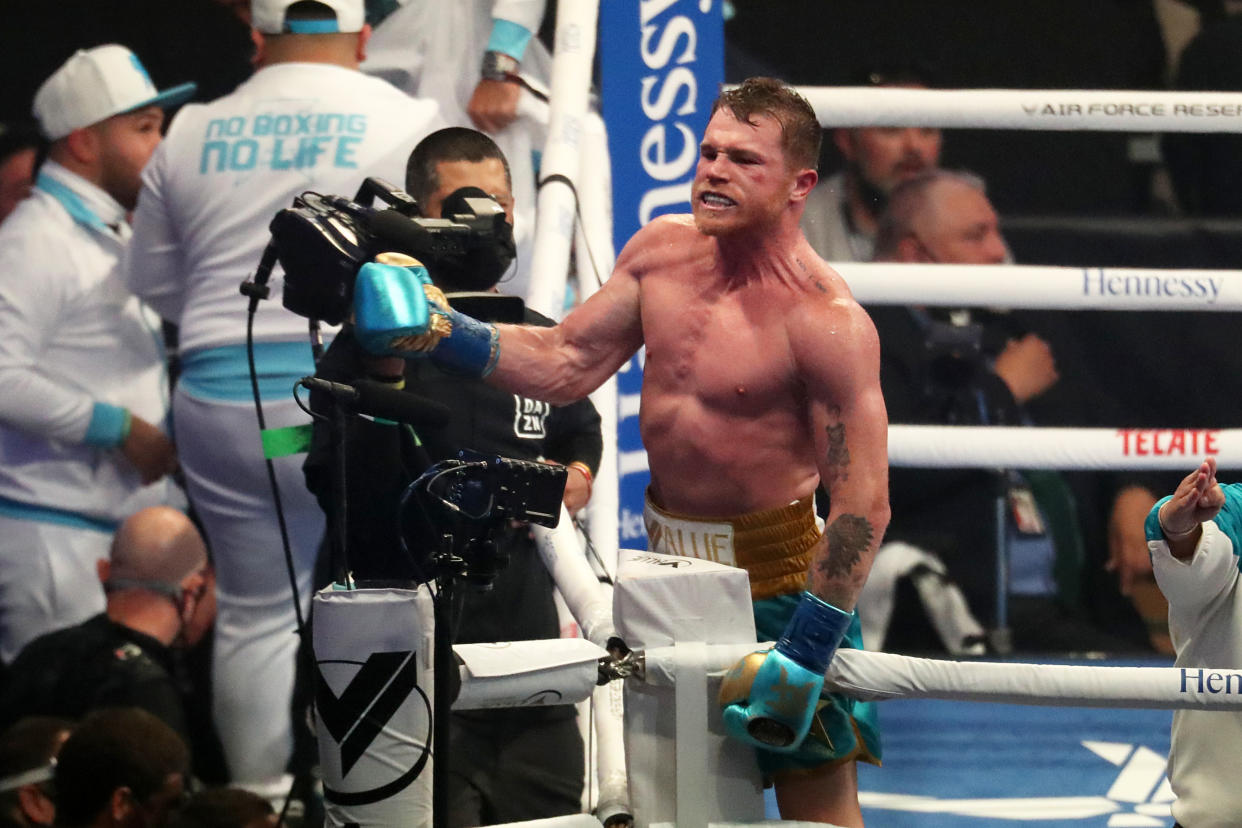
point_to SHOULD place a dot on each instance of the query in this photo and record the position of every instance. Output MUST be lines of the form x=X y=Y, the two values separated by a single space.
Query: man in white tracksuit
x=85 y=396
x=306 y=120
x=1195 y=540
x=480 y=61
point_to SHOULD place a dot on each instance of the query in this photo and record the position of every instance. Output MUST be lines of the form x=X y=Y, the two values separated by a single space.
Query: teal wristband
x=813 y=633
x=109 y=426
x=508 y=38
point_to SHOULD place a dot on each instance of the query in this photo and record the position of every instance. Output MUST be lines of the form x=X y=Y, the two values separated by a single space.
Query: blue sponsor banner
x=662 y=66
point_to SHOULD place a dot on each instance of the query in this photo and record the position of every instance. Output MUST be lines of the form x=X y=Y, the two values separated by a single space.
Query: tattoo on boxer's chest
x=848 y=537
x=837 y=458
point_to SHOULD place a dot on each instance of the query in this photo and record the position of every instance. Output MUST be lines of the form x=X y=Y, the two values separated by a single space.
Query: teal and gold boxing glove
x=391 y=306
x=770 y=697
x=399 y=312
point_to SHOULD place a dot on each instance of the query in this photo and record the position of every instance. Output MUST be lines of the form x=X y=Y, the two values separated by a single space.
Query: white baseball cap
x=268 y=16
x=96 y=84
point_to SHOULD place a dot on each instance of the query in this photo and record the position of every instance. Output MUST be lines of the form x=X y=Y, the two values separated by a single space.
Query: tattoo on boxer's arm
x=848 y=537
x=837 y=459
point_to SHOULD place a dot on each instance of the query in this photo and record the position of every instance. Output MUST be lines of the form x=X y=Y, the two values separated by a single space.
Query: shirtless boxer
x=761 y=380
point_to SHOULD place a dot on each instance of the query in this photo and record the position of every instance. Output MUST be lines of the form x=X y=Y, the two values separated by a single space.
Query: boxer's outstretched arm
x=566 y=362
x=841 y=369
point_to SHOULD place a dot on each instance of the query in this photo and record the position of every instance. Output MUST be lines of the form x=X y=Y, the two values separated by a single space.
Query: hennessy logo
x=356 y=717
x=1228 y=682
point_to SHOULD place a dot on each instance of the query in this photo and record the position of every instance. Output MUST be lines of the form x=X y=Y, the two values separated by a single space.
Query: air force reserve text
x=1139 y=109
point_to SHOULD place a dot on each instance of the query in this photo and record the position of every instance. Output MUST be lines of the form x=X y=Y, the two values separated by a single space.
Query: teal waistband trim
x=109 y=425
x=223 y=373
x=61 y=517
x=508 y=37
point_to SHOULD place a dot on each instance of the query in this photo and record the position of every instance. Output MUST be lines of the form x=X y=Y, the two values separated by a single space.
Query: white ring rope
x=1042 y=109
x=875 y=676
x=926 y=446
x=1048 y=287
x=870 y=676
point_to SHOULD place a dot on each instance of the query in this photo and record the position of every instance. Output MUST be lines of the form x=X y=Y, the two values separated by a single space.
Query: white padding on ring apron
x=373 y=657
x=661 y=599
x=527 y=673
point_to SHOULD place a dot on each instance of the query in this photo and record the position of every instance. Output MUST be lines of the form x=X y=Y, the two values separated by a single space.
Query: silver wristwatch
x=498 y=66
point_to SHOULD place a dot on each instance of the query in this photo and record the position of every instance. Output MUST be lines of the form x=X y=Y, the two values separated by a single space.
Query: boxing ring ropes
x=872 y=675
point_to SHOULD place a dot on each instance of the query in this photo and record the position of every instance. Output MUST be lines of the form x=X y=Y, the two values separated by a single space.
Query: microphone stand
x=340 y=495
x=442 y=699
x=450 y=568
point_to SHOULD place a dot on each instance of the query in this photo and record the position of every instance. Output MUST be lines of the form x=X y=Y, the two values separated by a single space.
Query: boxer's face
x=742 y=181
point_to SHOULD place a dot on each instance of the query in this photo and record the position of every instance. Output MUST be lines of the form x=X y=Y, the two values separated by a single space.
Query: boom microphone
x=382 y=400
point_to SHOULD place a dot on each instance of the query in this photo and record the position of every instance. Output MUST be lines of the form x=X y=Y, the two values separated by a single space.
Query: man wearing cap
x=306 y=120
x=82 y=411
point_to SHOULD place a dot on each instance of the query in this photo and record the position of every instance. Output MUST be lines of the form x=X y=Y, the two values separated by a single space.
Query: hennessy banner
x=662 y=64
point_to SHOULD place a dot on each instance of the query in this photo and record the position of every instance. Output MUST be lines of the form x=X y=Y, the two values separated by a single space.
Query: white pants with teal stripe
x=255 y=646
x=48 y=579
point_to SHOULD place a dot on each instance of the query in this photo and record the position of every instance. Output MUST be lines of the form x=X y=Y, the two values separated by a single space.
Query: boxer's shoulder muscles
x=834 y=344
x=657 y=242
x=661 y=229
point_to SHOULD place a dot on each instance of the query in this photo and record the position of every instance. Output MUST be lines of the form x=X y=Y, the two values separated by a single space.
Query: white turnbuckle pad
x=662 y=601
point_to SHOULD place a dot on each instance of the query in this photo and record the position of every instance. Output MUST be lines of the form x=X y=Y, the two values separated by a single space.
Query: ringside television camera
x=954 y=354
x=465 y=501
x=322 y=241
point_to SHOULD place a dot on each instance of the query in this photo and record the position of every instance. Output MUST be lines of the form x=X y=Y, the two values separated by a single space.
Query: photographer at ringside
x=511 y=764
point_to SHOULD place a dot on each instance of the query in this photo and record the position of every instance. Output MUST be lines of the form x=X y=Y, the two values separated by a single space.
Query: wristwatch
x=498 y=66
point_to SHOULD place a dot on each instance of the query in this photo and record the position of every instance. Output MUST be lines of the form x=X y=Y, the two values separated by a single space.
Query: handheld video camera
x=322 y=241
x=470 y=498
x=954 y=354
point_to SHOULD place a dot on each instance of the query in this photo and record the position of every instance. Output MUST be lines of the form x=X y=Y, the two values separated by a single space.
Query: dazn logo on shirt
x=530 y=418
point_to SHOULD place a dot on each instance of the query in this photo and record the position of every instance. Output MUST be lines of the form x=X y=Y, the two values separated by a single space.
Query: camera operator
x=507 y=765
